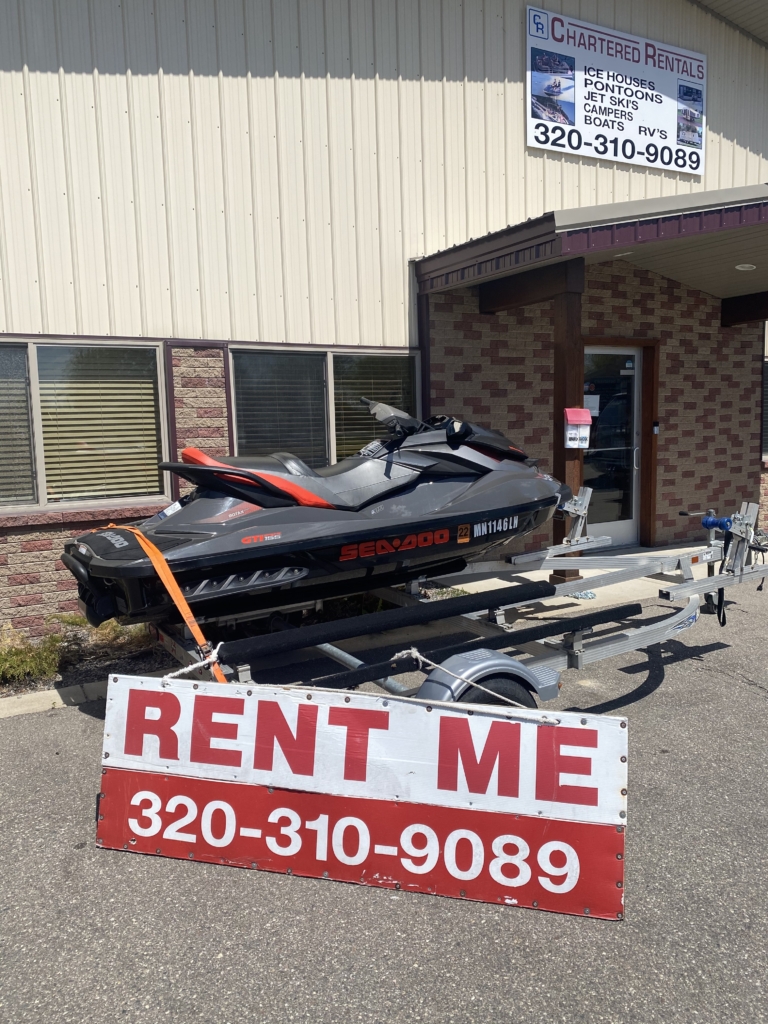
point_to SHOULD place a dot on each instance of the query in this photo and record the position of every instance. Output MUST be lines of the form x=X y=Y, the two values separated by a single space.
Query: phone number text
x=559 y=137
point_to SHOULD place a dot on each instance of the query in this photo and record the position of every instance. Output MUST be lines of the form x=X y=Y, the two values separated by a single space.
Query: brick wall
x=497 y=370
x=200 y=400
x=33 y=582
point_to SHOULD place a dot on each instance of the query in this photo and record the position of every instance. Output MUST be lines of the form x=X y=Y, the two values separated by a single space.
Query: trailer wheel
x=504 y=686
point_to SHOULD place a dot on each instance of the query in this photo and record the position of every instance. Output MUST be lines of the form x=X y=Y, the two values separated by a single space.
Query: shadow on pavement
x=652 y=682
x=94 y=708
x=672 y=651
x=660 y=655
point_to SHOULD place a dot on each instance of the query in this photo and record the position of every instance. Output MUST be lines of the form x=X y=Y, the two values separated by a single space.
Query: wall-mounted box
x=577 y=425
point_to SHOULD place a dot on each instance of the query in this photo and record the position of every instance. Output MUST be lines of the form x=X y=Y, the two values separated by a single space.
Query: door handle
x=635 y=458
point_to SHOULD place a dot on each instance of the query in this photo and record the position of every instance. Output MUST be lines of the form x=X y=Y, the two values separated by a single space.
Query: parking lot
x=88 y=935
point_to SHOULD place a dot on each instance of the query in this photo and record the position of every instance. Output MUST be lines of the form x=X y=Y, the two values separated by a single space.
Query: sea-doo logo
x=115 y=539
x=495 y=526
x=259 y=538
x=385 y=547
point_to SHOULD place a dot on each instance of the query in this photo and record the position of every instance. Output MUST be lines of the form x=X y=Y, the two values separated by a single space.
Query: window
x=89 y=430
x=388 y=379
x=765 y=409
x=17 y=479
x=101 y=430
x=280 y=403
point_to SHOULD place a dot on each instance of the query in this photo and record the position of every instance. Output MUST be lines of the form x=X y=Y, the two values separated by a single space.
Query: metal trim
x=540 y=243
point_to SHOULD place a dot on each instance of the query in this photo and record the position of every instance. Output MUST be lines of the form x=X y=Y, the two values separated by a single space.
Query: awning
x=698 y=239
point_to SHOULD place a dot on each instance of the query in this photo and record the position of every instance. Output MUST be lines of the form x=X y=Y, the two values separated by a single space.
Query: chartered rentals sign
x=602 y=93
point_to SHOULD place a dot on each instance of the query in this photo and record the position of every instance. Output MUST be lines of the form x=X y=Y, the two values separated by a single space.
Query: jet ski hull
x=264 y=572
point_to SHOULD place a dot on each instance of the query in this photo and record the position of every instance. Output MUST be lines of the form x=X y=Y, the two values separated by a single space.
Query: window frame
x=303 y=350
x=30 y=417
x=341 y=350
x=415 y=363
x=43 y=505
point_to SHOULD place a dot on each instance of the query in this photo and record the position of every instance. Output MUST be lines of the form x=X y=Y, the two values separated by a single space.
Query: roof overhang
x=697 y=239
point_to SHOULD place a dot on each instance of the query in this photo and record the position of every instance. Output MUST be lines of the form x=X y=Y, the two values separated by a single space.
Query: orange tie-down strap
x=163 y=570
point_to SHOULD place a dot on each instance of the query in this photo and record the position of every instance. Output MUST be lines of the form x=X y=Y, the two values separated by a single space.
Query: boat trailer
x=538 y=653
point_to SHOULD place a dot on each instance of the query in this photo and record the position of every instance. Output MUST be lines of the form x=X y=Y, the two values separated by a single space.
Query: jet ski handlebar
x=400 y=424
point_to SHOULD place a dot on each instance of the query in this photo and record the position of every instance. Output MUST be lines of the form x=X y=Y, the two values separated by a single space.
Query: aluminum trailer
x=477 y=669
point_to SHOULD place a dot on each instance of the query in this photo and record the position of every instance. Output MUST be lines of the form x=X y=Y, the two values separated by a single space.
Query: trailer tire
x=504 y=686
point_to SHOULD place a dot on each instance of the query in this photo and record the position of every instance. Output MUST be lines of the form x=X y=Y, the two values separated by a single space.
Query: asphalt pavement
x=89 y=935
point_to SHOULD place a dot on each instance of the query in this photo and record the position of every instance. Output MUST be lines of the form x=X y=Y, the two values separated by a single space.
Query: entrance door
x=612 y=390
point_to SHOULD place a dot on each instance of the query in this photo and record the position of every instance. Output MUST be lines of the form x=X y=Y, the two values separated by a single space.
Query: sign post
x=503 y=805
x=606 y=94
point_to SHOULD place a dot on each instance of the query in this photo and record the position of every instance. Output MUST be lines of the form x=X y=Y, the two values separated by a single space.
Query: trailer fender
x=474 y=666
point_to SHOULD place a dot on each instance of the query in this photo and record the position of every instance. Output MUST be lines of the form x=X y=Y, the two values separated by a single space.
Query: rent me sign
x=503 y=805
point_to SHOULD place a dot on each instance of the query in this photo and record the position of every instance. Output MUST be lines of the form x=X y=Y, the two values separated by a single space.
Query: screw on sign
x=504 y=806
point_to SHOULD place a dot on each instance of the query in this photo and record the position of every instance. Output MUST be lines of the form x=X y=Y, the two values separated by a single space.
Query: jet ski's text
x=384 y=547
x=495 y=526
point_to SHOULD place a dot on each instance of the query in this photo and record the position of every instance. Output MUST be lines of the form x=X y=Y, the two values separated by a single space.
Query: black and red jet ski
x=268 y=532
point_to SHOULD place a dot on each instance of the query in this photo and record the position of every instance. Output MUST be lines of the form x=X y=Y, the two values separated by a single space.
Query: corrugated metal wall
x=263 y=171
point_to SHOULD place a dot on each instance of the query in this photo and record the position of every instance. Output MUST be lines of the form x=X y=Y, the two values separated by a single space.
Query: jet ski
x=260 y=533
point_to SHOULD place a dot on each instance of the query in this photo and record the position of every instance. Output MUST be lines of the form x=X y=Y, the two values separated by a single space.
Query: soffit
x=709 y=264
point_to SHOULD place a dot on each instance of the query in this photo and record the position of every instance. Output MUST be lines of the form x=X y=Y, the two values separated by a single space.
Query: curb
x=47 y=700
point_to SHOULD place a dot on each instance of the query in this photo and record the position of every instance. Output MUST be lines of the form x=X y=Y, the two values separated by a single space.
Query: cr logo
x=538 y=24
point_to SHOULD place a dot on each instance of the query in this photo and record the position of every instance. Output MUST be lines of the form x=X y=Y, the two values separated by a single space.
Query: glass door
x=612 y=378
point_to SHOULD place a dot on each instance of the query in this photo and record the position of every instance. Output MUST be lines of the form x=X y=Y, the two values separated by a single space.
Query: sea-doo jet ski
x=266 y=532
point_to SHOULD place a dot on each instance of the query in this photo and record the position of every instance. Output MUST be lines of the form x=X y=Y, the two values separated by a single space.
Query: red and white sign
x=502 y=805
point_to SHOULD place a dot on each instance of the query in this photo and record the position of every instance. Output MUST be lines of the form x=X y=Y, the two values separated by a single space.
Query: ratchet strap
x=168 y=580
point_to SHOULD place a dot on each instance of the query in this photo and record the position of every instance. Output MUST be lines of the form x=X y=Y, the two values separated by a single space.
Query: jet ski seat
x=349 y=484
x=277 y=462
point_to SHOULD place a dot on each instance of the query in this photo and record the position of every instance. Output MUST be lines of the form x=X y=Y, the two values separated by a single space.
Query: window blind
x=101 y=424
x=17 y=476
x=280 y=402
x=388 y=379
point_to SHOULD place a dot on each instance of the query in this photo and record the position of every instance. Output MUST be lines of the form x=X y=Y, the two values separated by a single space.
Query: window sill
x=71 y=516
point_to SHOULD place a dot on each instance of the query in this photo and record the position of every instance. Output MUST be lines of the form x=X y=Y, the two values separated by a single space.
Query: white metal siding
x=264 y=171
x=751 y=15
